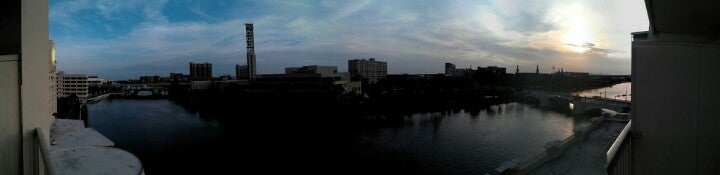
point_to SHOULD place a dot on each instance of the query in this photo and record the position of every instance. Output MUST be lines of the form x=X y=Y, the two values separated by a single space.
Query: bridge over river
x=157 y=89
x=577 y=104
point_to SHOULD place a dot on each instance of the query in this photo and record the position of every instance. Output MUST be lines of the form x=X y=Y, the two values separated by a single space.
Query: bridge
x=157 y=89
x=577 y=104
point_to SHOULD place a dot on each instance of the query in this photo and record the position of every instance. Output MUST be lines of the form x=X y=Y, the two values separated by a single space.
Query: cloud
x=591 y=49
x=413 y=36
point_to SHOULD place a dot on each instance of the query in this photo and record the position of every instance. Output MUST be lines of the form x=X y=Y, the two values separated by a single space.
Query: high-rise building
x=200 y=71
x=241 y=71
x=250 y=39
x=369 y=69
x=537 y=69
x=517 y=69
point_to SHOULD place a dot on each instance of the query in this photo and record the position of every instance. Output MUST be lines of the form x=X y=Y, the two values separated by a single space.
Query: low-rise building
x=308 y=79
x=491 y=70
x=68 y=84
x=450 y=70
x=149 y=79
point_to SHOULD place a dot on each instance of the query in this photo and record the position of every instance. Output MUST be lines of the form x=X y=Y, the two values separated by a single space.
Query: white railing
x=618 y=142
x=619 y=156
x=44 y=155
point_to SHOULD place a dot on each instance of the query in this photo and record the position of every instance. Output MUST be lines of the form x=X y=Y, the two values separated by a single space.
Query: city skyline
x=121 y=40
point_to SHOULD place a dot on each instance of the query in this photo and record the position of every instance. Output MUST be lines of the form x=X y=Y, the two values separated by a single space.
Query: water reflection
x=620 y=91
x=468 y=141
x=170 y=138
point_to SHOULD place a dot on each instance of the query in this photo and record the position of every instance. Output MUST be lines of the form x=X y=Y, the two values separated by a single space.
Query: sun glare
x=578 y=32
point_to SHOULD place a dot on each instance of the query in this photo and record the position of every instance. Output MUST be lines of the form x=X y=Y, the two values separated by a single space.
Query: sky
x=126 y=39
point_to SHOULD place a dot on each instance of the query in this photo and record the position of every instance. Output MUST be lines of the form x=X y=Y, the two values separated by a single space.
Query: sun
x=578 y=31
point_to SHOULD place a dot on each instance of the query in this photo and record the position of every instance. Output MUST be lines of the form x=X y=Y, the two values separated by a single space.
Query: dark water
x=172 y=139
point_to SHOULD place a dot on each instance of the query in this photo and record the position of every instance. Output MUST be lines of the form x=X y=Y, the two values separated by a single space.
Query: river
x=618 y=92
x=170 y=138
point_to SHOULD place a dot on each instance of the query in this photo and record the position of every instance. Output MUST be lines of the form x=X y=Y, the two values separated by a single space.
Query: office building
x=68 y=84
x=241 y=71
x=307 y=79
x=200 y=71
x=369 y=69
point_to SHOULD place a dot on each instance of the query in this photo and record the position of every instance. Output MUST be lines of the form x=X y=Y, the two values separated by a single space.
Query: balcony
x=619 y=156
x=76 y=149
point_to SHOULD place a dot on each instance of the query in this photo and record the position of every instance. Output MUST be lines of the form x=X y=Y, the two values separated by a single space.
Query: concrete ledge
x=78 y=150
x=553 y=149
x=72 y=133
x=95 y=160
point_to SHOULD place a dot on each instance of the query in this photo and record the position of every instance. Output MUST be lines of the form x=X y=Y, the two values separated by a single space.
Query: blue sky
x=126 y=39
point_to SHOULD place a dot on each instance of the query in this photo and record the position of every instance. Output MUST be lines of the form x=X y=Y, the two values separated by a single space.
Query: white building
x=369 y=69
x=72 y=84
x=53 y=80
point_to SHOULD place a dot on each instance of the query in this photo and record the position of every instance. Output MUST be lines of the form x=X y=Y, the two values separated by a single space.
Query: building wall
x=675 y=111
x=241 y=72
x=449 y=69
x=372 y=70
x=35 y=55
x=35 y=66
x=10 y=140
x=72 y=84
x=200 y=71
x=251 y=68
x=53 y=80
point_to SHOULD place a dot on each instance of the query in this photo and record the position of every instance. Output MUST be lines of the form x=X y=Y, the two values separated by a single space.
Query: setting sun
x=578 y=32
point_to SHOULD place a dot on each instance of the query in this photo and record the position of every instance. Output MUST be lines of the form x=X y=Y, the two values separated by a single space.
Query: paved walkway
x=586 y=156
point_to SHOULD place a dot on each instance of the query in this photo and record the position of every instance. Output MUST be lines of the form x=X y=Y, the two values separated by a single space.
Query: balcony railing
x=619 y=156
x=45 y=162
